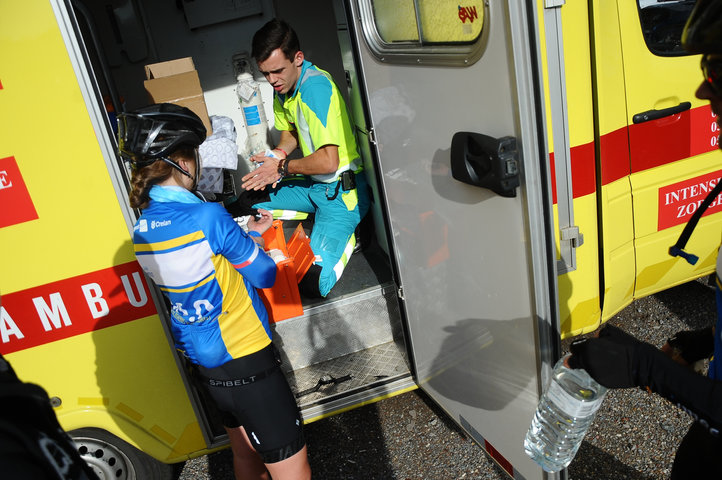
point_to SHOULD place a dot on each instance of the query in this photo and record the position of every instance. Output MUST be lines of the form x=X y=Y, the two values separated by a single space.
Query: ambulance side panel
x=78 y=317
x=653 y=172
x=674 y=159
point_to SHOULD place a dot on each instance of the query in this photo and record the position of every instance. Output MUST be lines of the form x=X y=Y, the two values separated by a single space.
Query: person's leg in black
x=698 y=456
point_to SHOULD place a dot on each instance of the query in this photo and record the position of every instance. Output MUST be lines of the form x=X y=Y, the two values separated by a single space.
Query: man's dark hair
x=274 y=34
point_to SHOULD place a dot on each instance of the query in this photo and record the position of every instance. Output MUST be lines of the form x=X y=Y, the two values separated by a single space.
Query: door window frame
x=419 y=52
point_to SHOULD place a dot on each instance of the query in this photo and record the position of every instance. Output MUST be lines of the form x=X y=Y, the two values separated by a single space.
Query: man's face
x=281 y=72
x=707 y=92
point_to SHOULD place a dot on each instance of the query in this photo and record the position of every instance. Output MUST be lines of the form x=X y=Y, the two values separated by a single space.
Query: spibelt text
x=238 y=382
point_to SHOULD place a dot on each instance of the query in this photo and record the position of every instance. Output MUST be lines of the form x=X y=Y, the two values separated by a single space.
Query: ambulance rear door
x=670 y=135
x=473 y=253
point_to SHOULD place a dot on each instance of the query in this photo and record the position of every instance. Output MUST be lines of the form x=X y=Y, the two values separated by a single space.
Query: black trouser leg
x=698 y=456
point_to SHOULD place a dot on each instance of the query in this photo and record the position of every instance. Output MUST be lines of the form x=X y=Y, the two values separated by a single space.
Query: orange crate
x=283 y=300
x=299 y=248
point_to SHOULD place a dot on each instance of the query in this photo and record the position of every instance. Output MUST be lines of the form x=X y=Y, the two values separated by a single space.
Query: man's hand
x=265 y=174
x=611 y=358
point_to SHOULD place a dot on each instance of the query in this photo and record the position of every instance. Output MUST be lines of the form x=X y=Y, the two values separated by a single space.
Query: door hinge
x=400 y=293
x=372 y=136
x=554 y=3
x=572 y=234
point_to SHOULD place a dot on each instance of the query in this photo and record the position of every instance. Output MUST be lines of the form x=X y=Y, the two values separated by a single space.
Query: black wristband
x=283 y=169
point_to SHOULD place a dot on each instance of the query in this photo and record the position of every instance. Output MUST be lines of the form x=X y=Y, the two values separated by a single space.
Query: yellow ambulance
x=531 y=163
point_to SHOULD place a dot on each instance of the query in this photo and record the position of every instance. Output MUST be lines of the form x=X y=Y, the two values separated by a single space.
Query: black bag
x=32 y=443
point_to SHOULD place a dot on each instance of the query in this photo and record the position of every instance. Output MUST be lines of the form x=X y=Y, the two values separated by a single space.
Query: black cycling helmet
x=153 y=132
x=703 y=31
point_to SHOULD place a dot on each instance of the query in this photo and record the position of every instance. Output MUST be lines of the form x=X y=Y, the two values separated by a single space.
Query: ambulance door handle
x=486 y=162
x=657 y=114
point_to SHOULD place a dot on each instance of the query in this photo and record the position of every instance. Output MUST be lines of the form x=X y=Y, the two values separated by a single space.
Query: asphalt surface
x=634 y=435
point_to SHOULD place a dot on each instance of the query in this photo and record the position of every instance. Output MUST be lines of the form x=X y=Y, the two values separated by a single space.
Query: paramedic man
x=618 y=360
x=209 y=269
x=310 y=113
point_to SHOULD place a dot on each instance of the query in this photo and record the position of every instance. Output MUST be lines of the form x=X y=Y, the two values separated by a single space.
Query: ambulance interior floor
x=361 y=321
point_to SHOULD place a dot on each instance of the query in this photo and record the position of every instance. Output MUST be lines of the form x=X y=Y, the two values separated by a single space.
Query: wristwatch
x=283 y=167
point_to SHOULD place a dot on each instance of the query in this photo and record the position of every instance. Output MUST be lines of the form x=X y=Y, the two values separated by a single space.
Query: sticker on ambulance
x=74 y=306
x=678 y=201
x=14 y=192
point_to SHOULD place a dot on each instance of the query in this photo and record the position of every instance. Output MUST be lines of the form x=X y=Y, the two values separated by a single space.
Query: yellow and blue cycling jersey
x=317 y=111
x=209 y=269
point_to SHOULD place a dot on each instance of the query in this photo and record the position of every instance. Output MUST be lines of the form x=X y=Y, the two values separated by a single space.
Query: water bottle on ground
x=564 y=414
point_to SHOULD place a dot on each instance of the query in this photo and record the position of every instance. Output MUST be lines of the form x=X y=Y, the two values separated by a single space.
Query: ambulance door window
x=396 y=21
x=662 y=24
x=425 y=31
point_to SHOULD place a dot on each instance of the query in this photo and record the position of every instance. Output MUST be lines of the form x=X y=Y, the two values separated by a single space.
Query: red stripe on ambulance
x=74 y=306
x=657 y=142
x=584 y=180
x=614 y=153
x=672 y=138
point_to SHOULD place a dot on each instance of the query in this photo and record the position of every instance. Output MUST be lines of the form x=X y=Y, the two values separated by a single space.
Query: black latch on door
x=486 y=161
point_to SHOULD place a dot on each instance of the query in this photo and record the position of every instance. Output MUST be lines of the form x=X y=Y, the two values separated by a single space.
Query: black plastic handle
x=485 y=161
x=656 y=114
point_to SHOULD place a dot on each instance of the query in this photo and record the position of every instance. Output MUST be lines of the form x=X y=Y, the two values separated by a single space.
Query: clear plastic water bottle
x=254 y=116
x=564 y=414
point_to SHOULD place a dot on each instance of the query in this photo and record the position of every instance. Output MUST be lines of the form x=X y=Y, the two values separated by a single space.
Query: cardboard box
x=176 y=81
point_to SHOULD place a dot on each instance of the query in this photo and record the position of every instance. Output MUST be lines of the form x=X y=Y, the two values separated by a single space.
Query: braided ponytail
x=142 y=179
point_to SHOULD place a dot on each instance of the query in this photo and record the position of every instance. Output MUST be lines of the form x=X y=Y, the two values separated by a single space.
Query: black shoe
x=309 y=284
x=243 y=205
x=364 y=233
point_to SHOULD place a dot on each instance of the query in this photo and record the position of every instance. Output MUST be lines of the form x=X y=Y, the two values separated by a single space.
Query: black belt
x=237 y=382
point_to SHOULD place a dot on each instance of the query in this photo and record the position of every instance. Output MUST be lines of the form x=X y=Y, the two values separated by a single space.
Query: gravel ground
x=634 y=435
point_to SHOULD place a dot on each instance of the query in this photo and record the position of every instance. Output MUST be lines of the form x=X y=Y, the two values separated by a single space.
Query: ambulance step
x=372 y=369
x=339 y=327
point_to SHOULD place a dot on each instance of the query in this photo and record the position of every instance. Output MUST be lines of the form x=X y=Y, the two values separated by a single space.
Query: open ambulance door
x=473 y=252
x=655 y=142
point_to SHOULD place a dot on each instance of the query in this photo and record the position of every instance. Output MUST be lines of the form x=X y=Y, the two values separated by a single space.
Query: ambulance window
x=662 y=24
x=425 y=31
x=396 y=20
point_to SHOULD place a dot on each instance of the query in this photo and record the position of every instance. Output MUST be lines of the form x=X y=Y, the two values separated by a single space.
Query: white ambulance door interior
x=474 y=266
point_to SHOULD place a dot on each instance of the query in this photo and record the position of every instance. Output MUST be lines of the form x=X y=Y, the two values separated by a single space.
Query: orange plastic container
x=283 y=300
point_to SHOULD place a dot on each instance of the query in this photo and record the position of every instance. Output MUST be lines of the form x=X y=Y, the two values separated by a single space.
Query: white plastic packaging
x=243 y=222
x=563 y=416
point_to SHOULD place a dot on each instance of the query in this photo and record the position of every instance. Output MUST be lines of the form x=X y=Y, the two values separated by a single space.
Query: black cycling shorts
x=265 y=408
